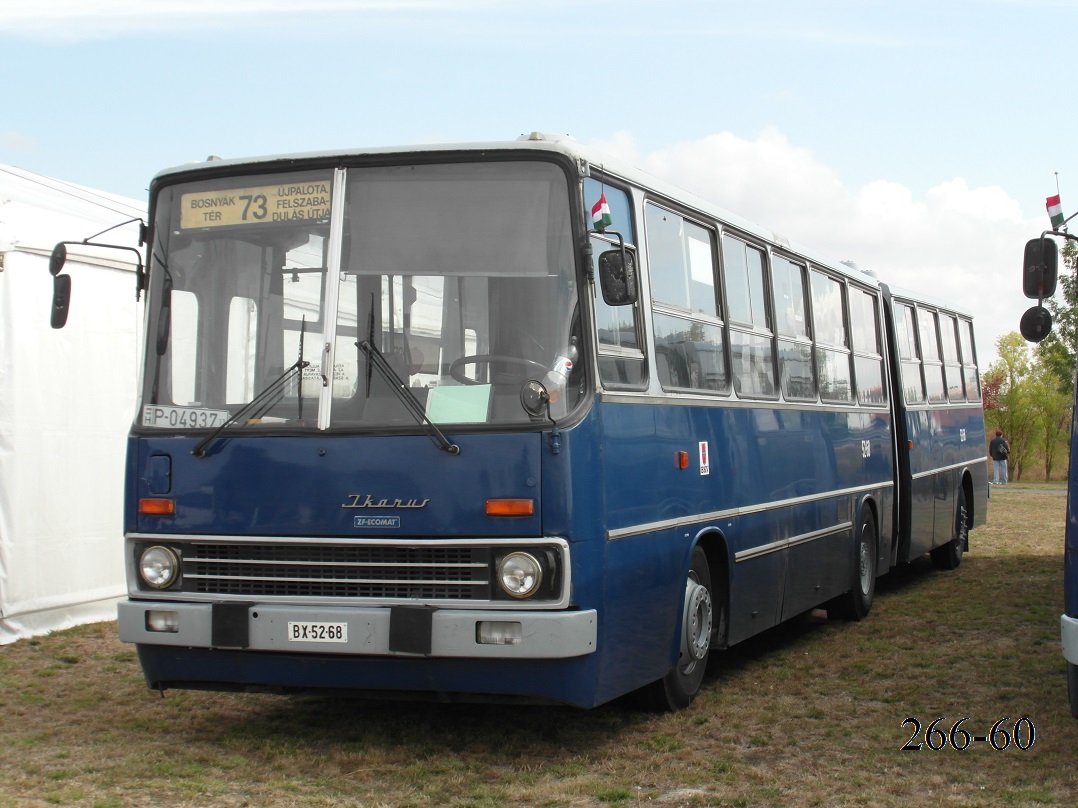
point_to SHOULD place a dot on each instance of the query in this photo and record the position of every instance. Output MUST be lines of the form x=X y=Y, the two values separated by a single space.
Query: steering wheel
x=526 y=366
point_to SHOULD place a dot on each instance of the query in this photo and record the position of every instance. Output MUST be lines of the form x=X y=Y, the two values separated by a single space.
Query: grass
x=809 y=714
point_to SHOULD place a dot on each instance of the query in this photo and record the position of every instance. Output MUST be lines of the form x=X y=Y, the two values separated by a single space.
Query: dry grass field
x=810 y=714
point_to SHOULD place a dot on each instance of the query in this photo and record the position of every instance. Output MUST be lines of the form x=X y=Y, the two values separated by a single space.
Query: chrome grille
x=337 y=571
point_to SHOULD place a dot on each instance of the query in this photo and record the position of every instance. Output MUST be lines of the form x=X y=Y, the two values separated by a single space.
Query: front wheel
x=703 y=617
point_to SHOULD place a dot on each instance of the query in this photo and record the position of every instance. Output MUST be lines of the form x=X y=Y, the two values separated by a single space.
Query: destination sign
x=302 y=201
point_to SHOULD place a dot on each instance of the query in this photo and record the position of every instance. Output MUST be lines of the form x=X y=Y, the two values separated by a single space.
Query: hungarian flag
x=600 y=213
x=1055 y=210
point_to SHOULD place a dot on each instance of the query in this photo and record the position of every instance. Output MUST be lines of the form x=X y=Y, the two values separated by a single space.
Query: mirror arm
x=621 y=242
x=60 y=256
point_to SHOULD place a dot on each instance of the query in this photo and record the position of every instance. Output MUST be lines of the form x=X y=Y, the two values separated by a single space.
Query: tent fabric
x=67 y=400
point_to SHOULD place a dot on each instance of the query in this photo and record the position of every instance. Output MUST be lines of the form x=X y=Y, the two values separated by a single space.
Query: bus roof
x=918 y=297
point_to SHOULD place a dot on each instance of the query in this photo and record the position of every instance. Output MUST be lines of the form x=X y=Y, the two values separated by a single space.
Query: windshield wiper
x=400 y=389
x=261 y=403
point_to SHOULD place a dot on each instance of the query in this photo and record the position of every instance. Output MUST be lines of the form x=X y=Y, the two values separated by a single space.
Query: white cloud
x=958 y=244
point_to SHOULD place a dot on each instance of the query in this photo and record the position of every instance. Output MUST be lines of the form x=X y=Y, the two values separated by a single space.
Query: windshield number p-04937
x=183 y=417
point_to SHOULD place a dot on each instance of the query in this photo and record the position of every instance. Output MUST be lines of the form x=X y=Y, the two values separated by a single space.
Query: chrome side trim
x=729 y=513
x=952 y=467
x=804 y=538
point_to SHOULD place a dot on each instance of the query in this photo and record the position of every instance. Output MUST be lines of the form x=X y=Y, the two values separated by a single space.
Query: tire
x=703 y=617
x=857 y=602
x=948 y=556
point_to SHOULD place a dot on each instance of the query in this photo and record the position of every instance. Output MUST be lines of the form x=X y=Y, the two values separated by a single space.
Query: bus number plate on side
x=317 y=632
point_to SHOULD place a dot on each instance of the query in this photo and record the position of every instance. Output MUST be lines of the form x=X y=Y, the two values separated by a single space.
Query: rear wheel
x=703 y=616
x=857 y=602
x=948 y=556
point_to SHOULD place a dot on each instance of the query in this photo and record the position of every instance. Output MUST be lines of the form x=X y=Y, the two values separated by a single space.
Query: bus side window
x=829 y=329
x=930 y=356
x=621 y=348
x=867 y=358
x=969 y=361
x=751 y=343
x=791 y=325
x=912 y=385
x=951 y=365
x=688 y=333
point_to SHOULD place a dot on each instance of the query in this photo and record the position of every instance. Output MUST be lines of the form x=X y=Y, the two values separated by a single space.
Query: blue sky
x=918 y=139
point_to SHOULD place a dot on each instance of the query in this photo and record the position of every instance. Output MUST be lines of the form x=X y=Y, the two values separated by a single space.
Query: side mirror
x=1040 y=268
x=57 y=259
x=617 y=277
x=1036 y=324
x=61 y=300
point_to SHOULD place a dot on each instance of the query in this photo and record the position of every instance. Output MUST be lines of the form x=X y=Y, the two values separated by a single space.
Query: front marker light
x=159 y=620
x=520 y=575
x=159 y=567
x=498 y=632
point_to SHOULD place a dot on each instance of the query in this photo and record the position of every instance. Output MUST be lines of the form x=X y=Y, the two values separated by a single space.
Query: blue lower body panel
x=568 y=681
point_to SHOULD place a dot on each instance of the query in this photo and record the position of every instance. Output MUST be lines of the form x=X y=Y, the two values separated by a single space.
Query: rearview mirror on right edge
x=1040 y=268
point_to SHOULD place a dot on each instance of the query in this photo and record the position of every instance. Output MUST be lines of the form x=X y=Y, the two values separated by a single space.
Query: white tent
x=67 y=399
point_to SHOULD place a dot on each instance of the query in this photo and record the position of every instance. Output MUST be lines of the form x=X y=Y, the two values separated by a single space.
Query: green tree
x=1013 y=409
x=1053 y=412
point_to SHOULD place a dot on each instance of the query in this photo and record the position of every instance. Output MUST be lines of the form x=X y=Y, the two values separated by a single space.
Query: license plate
x=317 y=632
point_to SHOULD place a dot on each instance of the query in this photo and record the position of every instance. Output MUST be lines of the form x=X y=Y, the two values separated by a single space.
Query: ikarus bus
x=514 y=420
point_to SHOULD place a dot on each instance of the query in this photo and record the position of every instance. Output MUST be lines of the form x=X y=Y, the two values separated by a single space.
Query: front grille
x=372 y=572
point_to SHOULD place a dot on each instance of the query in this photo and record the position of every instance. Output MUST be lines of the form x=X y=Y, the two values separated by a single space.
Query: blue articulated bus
x=511 y=420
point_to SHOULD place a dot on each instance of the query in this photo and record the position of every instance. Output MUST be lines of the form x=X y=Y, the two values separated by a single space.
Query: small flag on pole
x=600 y=214
x=1055 y=210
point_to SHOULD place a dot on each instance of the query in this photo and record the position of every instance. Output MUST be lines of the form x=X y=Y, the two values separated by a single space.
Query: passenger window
x=796 y=376
x=952 y=367
x=969 y=361
x=912 y=385
x=867 y=359
x=689 y=348
x=752 y=353
x=681 y=261
x=829 y=327
x=744 y=268
x=930 y=356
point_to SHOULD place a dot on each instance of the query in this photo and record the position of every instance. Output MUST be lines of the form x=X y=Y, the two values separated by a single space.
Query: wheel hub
x=696 y=633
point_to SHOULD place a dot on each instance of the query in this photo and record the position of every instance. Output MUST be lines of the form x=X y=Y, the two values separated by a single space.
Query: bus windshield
x=461 y=276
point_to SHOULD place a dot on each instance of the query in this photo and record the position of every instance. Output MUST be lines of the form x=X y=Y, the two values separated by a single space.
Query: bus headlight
x=159 y=567
x=520 y=575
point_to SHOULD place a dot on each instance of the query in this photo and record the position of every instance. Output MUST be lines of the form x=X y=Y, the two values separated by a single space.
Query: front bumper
x=371 y=631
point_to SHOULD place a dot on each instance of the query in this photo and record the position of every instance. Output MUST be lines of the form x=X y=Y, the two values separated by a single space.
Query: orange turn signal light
x=157 y=507
x=510 y=507
x=681 y=460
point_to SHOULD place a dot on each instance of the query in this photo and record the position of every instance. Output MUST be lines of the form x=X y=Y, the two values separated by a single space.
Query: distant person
x=999 y=450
